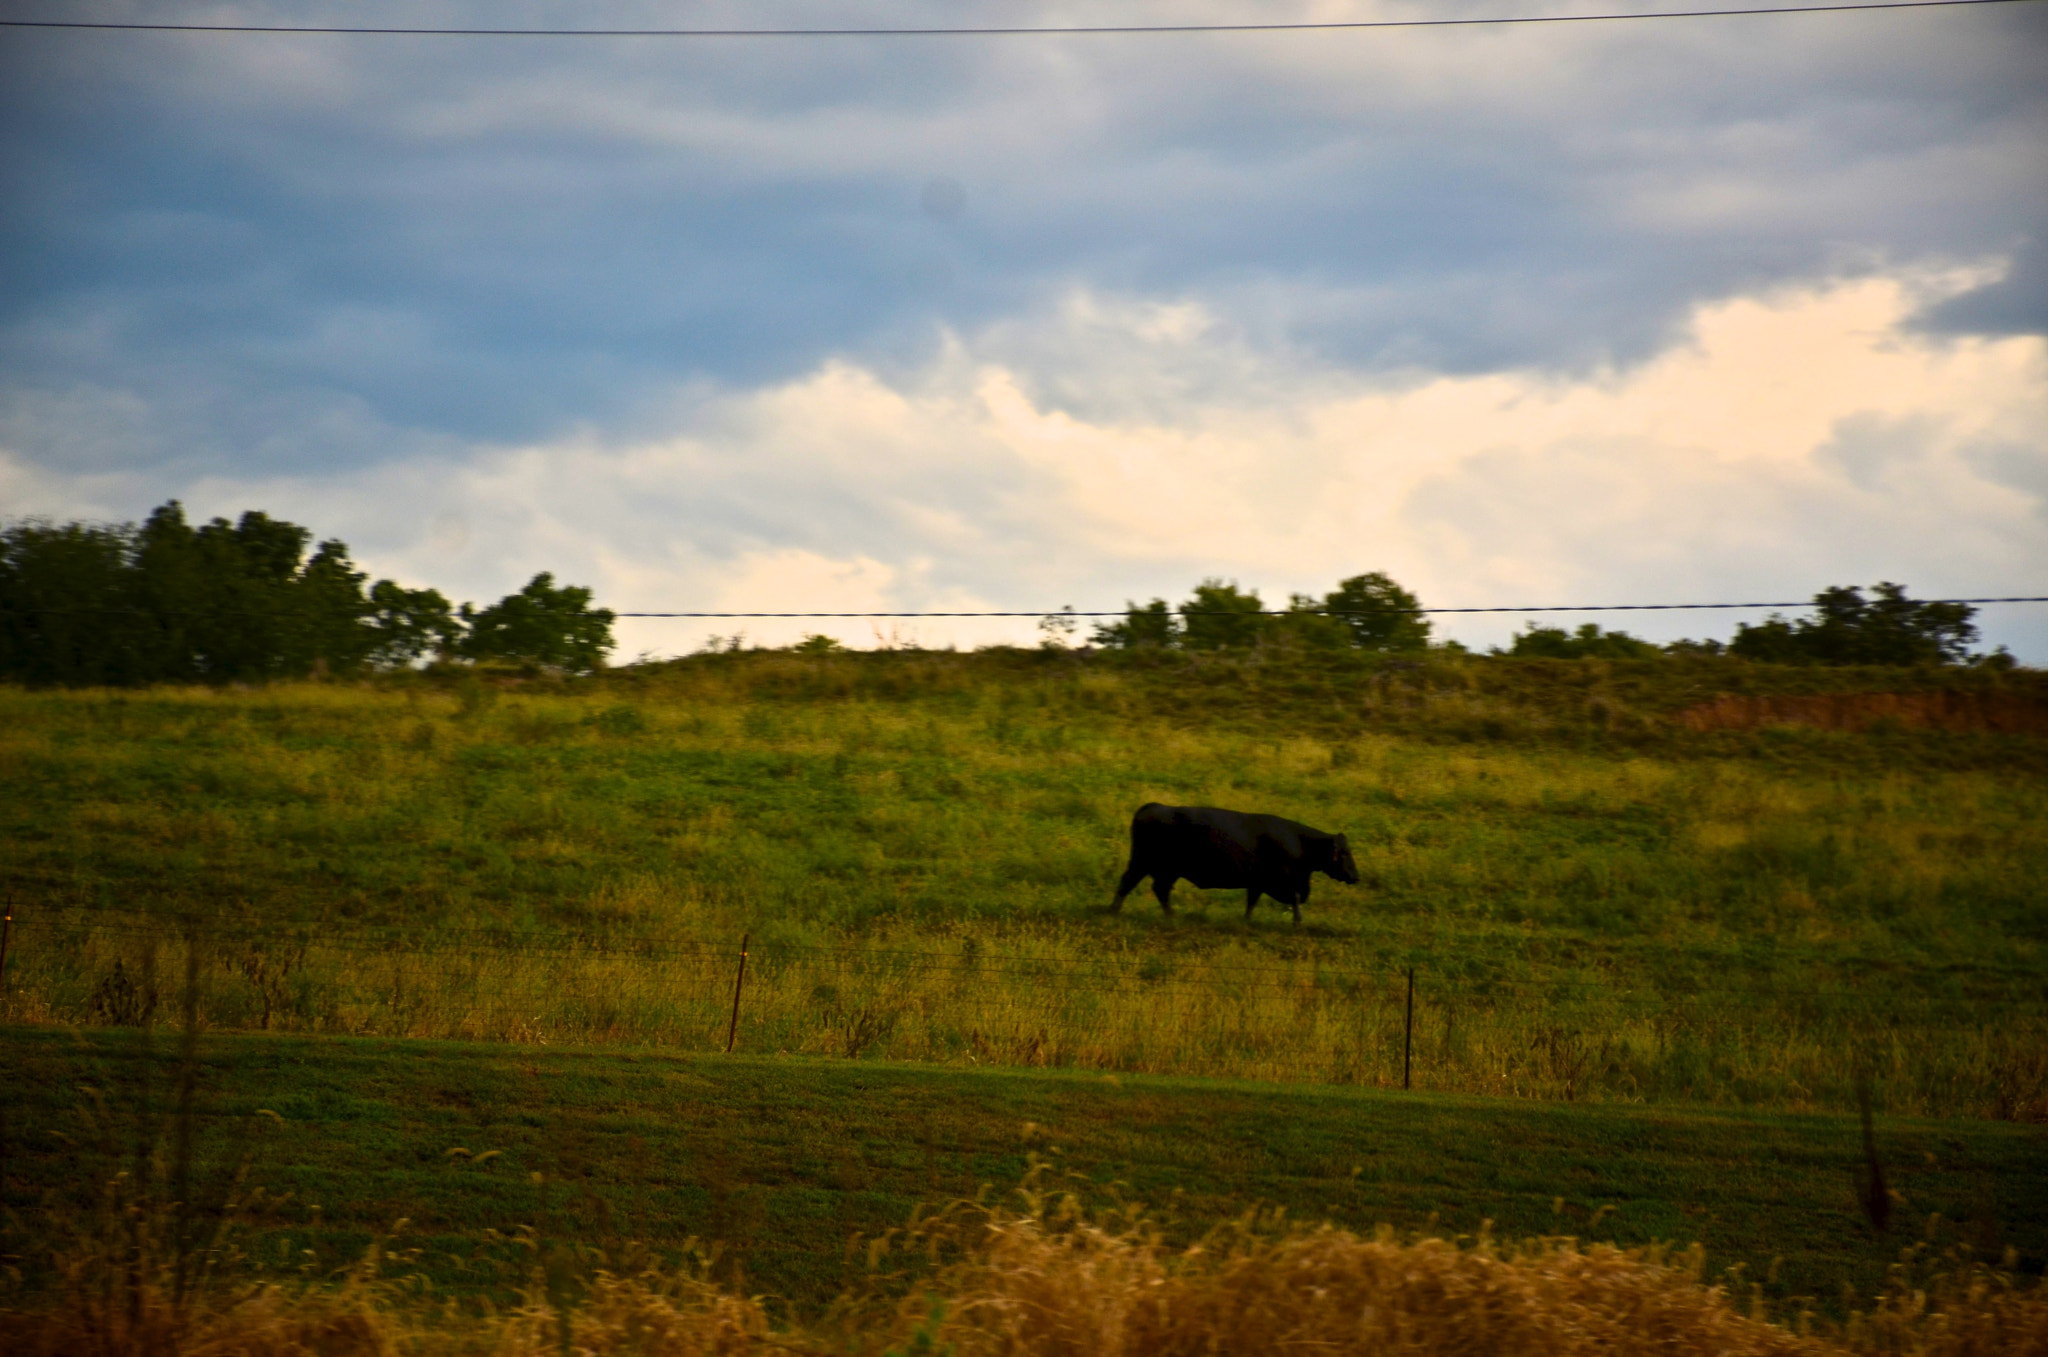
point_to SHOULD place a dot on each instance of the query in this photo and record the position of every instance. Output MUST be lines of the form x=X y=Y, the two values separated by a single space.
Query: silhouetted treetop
x=164 y=601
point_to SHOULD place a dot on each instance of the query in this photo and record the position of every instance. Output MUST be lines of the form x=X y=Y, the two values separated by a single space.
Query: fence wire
x=1887 y=1002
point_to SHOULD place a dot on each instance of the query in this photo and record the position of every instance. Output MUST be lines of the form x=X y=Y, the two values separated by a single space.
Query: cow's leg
x=1162 y=886
x=1251 y=897
x=1132 y=876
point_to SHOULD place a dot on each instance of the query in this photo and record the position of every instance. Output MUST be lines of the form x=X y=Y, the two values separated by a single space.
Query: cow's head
x=1342 y=867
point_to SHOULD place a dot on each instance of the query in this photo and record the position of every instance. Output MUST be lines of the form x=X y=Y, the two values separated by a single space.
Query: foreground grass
x=1044 y=1277
x=920 y=847
x=780 y=1161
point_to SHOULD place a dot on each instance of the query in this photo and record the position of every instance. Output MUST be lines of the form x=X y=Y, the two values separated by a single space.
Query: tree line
x=1365 y=612
x=1372 y=612
x=163 y=601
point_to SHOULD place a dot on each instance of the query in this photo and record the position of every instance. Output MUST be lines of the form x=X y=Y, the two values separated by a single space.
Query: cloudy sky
x=1683 y=310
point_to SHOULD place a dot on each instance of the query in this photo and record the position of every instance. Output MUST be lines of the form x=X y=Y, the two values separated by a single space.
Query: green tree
x=1771 y=641
x=330 y=614
x=540 y=624
x=1847 y=628
x=1308 y=625
x=224 y=598
x=1379 y=613
x=1588 y=642
x=67 y=614
x=1220 y=616
x=166 y=602
x=1151 y=625
x=407 y=625
x=1056 y=630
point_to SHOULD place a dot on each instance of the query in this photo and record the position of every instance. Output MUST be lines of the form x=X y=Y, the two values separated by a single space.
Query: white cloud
x=1795 y=440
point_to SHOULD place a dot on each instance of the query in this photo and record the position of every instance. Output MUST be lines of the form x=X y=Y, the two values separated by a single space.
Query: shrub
x=1588 y=642
x=541 y=624
x=1846 y=628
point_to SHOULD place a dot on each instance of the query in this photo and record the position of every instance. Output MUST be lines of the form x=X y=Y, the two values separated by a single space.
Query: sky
x=1688 y=310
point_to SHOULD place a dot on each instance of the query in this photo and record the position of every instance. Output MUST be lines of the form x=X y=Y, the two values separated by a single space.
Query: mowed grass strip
x=781 y=1161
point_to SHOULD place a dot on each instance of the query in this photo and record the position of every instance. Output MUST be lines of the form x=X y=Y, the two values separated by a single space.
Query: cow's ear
x=1343 y=844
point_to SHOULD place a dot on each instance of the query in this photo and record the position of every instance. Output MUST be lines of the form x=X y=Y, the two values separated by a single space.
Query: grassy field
x=462 y=953
x=782 y=1161
x=1596 y=905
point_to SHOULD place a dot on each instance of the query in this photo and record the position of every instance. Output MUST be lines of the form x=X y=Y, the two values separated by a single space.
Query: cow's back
x=1210 y=847
x=1219 y=849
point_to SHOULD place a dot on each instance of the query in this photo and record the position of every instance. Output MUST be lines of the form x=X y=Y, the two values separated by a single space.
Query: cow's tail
x=1137 y=871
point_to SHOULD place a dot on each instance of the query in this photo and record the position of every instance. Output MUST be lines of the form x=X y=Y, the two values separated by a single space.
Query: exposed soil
x=2006 y=713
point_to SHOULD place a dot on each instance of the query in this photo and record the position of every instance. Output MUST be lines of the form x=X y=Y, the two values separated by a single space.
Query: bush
x=1378 y=613
x=1152 y=625
x=1588 y=642
x=1846 y=628
x=541 y=624
x=1365 y=612
x=1220 y=616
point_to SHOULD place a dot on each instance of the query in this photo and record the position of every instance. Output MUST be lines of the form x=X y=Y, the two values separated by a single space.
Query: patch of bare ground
x=2002 y=713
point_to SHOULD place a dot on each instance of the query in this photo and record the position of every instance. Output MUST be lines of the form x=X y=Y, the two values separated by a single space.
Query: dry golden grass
x=620 y=1315
x=1059 y=1000
x=1086 y=1290
x=119 y=1295
x=1050 y=1280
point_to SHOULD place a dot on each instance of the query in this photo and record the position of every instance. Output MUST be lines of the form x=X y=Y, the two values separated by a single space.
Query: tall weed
x=1047 y=1277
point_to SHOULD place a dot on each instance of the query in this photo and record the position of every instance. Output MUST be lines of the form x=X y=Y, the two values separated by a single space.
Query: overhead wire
x=995 y=30
x=1339 y=612
x=283 y=614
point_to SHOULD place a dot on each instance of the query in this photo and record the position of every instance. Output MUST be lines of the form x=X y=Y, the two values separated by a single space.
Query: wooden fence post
x=732 y=1032
x=1408 y=1035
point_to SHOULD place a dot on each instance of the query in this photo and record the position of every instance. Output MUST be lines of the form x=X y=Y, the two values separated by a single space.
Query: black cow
x=1222 y=849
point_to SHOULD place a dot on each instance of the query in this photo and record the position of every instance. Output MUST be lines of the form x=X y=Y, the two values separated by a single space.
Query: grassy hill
x=1599 y=900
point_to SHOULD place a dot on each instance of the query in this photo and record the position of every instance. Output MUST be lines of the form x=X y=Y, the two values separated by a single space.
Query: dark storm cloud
x=298 y=253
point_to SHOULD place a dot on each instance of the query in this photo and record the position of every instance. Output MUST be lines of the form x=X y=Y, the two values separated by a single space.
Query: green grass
x=783 y=1160
x=1598 y=905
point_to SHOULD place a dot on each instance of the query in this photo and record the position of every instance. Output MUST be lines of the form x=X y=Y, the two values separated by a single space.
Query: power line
x=1348 y=612
x=283 y=614
x=1062 y=30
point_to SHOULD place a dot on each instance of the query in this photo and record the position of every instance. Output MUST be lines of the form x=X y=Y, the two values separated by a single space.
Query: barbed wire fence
x=1310 y=1019
x=445 y=940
